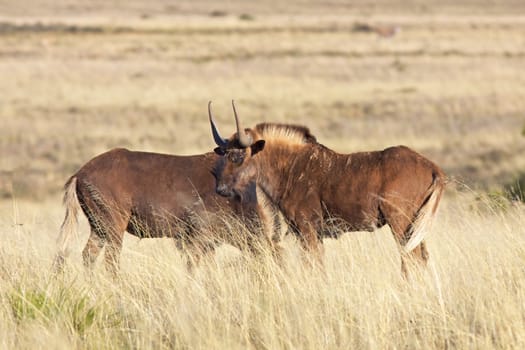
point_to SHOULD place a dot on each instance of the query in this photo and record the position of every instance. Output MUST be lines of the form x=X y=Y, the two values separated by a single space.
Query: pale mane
x=289 y=133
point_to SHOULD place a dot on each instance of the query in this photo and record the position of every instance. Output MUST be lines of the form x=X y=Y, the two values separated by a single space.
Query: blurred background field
x=80 y=77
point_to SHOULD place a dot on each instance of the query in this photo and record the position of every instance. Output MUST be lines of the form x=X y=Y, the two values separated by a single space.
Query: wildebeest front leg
x=270 y=237
x=309 y=238
x=195 y=252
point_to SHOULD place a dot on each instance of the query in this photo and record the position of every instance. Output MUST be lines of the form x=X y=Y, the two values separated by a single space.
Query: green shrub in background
x=515 y=190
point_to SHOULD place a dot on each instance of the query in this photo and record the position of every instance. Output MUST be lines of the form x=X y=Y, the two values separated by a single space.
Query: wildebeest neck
x=279 y=165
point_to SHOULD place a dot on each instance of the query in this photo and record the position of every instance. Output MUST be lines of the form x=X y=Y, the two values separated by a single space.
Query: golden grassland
x=470 y=297
x=79 y=79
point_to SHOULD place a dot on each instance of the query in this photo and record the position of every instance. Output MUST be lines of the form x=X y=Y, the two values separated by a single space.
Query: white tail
x=69 y=226
x=423 y=221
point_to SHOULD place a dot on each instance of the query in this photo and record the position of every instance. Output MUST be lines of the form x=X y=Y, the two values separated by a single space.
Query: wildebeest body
x=148 y=195
x=151 y=191
x=354 y=187
x=313 y=185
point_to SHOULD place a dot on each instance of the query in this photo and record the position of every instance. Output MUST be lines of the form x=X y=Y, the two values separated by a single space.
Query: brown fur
x=147 y=195
x=312 y=184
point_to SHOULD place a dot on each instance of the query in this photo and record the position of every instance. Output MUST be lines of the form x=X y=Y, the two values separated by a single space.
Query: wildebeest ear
x=257 y=147
x=219 y=150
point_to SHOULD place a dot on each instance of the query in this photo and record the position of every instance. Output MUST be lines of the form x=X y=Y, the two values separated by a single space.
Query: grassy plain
x=80 y=78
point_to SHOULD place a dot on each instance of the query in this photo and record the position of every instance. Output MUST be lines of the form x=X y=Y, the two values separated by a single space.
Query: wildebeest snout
x=224 y=191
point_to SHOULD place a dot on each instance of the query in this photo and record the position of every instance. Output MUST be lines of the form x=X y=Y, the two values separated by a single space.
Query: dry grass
x=471 y=297
x=79 y=78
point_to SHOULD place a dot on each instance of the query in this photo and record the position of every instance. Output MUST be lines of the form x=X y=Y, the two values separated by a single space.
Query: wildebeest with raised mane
x=311 y=183
x=149 y=195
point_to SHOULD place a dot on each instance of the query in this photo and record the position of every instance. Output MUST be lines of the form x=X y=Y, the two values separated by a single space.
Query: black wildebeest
x=310 y=183
x=149 y=195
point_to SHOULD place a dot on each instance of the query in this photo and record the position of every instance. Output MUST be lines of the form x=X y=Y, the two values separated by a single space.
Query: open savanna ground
x=80 y=78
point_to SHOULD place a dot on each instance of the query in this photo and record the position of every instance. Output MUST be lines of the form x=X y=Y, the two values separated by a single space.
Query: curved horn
x=244 y=140
x=220 y=141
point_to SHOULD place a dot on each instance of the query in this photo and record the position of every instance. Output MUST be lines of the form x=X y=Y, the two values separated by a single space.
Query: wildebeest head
x=247 y=154
x=235 y=171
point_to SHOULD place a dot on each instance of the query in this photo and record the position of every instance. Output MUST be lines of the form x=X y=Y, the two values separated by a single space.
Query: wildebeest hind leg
x=92 y=249
x=400 y=224
x=112 y=253
x=420 y=254
x=114 y=234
